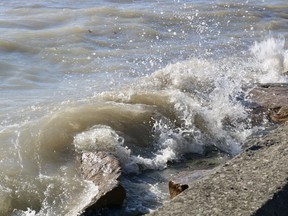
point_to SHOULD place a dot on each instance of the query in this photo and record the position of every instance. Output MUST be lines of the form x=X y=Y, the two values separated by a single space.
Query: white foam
x=60 y=197
x=97 y=138
x=83 y=201
x=28 y=212
x=203 y=93
x=271 y=58
x=102 y=138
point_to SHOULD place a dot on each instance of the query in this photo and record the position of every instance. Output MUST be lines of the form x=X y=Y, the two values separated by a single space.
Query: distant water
x=148 y=81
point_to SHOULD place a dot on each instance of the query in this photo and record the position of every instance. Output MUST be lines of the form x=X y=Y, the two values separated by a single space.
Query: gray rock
x=103 y=170
x=270 y=99
x=253 y=183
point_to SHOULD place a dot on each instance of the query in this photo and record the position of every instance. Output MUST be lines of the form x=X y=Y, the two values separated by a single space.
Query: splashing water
x=272 y=59
x=149 y=82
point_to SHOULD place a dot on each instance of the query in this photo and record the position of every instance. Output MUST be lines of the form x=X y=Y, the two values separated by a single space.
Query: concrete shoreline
x=253 y=183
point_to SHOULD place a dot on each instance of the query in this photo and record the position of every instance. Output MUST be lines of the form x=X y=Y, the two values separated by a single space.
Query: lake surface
x=148 y=81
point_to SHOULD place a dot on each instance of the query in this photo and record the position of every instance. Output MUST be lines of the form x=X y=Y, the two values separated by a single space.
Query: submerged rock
x=270 y=99
x=104 y=170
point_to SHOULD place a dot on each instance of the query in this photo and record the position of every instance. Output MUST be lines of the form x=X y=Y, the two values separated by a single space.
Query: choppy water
x=148 y=81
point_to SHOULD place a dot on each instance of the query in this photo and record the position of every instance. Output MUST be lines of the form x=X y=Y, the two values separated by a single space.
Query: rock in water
x=280 y=114
x=104 y=170
x=272 y=97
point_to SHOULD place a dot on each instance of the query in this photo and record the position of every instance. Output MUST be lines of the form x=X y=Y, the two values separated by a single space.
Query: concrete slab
x=253 y=183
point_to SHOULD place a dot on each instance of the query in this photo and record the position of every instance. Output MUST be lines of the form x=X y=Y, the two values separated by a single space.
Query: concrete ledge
x=253 y=183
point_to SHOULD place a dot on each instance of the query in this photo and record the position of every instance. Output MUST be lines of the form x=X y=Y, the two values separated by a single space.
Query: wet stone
x=104 y=170
x=270 y=99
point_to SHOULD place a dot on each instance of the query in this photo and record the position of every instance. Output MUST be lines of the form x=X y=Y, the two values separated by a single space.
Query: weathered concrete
x=184 y=179
x=103 y=170
x=253 y=183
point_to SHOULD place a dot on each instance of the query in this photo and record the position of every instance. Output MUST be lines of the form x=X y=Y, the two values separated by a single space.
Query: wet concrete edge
x=253 y=183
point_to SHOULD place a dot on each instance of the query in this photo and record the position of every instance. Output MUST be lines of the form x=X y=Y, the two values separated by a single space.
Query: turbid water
x=148 y=81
